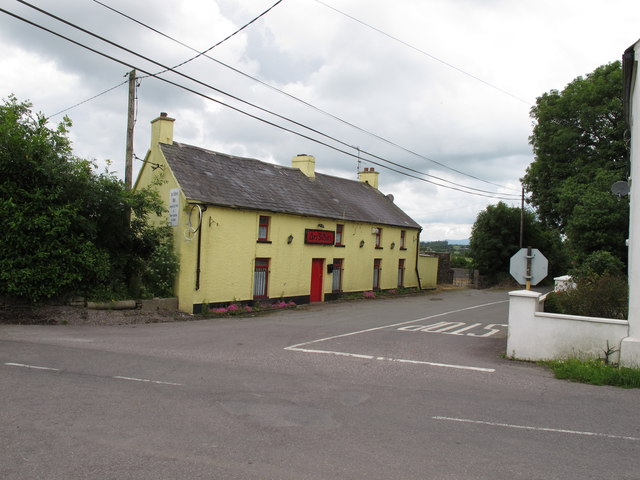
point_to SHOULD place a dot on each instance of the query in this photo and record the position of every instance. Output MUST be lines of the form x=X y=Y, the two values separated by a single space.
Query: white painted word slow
x=458 y=328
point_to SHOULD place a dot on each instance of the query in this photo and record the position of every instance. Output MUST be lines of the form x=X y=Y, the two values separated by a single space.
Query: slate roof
x=245 y=183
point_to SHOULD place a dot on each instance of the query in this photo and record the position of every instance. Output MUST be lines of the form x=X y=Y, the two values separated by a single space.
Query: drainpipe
x=202 y=209
x=417 y=257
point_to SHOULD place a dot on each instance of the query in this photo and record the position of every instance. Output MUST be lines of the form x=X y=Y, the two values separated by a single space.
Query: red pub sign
x=319 y=237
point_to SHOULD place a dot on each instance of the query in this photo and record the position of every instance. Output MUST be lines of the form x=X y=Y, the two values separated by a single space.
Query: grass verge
x=595 y=372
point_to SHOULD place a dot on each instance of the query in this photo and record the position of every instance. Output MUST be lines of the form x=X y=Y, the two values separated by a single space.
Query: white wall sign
x=174 y=206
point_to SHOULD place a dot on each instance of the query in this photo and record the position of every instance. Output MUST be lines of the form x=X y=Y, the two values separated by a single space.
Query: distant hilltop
x=458 y=242
x=445 y=245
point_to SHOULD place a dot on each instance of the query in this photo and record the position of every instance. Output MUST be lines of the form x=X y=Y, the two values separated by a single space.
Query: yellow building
x=247 y=230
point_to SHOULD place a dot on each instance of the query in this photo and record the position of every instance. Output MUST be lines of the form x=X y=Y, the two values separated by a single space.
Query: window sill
x=264 y=241
x=339 y=246
x=379 y=248
x=403 y=248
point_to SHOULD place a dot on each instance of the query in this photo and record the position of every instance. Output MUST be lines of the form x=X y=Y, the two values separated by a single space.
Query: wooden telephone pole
x=522 y=220
x=128 y=164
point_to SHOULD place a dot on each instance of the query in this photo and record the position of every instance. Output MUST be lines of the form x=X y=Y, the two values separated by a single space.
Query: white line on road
x=390 y=359
x=132 y=379
x=35 y=367
x=297 y=348
x=538 y=429
x=293 y=347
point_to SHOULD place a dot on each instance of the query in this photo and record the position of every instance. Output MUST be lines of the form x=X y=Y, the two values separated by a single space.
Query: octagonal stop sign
x=539 y=266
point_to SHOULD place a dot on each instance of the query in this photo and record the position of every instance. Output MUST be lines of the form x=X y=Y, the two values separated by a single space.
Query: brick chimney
x=162 y=130
x=369 y=176
x=305 y=163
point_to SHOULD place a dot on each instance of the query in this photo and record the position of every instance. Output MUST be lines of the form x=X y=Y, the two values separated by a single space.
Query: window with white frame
x=339 y=235
x=336 y=284
x=263 y=228
x=261 y=278
x=377 y=270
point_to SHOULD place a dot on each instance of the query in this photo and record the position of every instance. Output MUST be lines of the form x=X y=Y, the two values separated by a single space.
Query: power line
x=87 y=100
x=246 y=102
x=464 y=72
x=176 y=66
x=218 y=43
x=389 y=142
x=491 y=195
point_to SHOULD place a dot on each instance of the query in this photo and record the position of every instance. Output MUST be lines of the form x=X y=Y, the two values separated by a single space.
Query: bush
x=67 y=229
x=160 y=270
x=604 y=296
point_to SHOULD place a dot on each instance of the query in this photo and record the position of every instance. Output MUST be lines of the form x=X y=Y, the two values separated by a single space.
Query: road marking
x=145 y=380
x=118 y=377
x=537 y=429
x=446 y=327
x=395 y=324
x=35 y=367
x=390 y=359
x=299 y=347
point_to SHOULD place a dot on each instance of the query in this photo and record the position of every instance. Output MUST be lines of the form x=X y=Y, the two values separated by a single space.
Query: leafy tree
x=598 y=264
x=579 y=148
x=65 y=228
x=495 y=238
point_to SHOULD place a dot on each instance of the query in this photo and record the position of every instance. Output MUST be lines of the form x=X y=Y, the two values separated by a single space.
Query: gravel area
x=69 y=315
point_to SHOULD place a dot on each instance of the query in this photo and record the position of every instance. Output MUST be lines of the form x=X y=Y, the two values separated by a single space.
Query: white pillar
x=630 y=347
x=523 y=304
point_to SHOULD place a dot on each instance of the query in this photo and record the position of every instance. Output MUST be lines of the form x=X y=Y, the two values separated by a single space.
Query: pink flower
x=291 y=303
x=233 y=308
x=248 y=309
x=369 y=294
x=219 y=310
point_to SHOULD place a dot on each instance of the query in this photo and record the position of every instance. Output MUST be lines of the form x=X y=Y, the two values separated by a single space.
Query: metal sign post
x=529 y=267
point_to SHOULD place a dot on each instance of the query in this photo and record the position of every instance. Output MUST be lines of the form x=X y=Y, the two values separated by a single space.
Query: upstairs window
x=403 y=239
x=339 y=234
x=263 y=228
x=378 y=233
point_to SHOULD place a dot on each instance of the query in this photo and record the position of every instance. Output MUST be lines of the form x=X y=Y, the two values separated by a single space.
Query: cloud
x=449 y=96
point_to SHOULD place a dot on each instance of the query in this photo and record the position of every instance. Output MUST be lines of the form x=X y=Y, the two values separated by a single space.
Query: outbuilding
x=251 y=231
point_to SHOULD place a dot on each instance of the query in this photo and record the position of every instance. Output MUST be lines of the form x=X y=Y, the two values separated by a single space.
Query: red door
x=317 y=267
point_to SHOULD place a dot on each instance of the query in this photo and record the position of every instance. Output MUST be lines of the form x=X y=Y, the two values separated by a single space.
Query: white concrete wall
x=536 y=335
x=631 y=346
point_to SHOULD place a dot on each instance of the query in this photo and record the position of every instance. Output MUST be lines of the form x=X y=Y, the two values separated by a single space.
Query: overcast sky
x=441 y=88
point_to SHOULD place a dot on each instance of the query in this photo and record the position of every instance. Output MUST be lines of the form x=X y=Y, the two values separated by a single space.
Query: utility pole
x=128 y=164
x=522 y=219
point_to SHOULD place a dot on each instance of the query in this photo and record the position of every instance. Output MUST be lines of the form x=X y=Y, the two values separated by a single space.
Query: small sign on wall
x=174 y=206
x=319 y=237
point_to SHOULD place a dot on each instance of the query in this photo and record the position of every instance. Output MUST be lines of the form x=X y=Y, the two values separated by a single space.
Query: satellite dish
x=620 y=188
x=390 y=197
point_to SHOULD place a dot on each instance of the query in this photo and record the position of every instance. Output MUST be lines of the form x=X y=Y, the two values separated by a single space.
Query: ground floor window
x=377 y=268
x=401 y=273
x=261 y=278
x=337 y=275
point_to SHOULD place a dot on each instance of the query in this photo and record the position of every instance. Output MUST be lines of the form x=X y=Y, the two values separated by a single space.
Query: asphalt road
x=403 y=388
